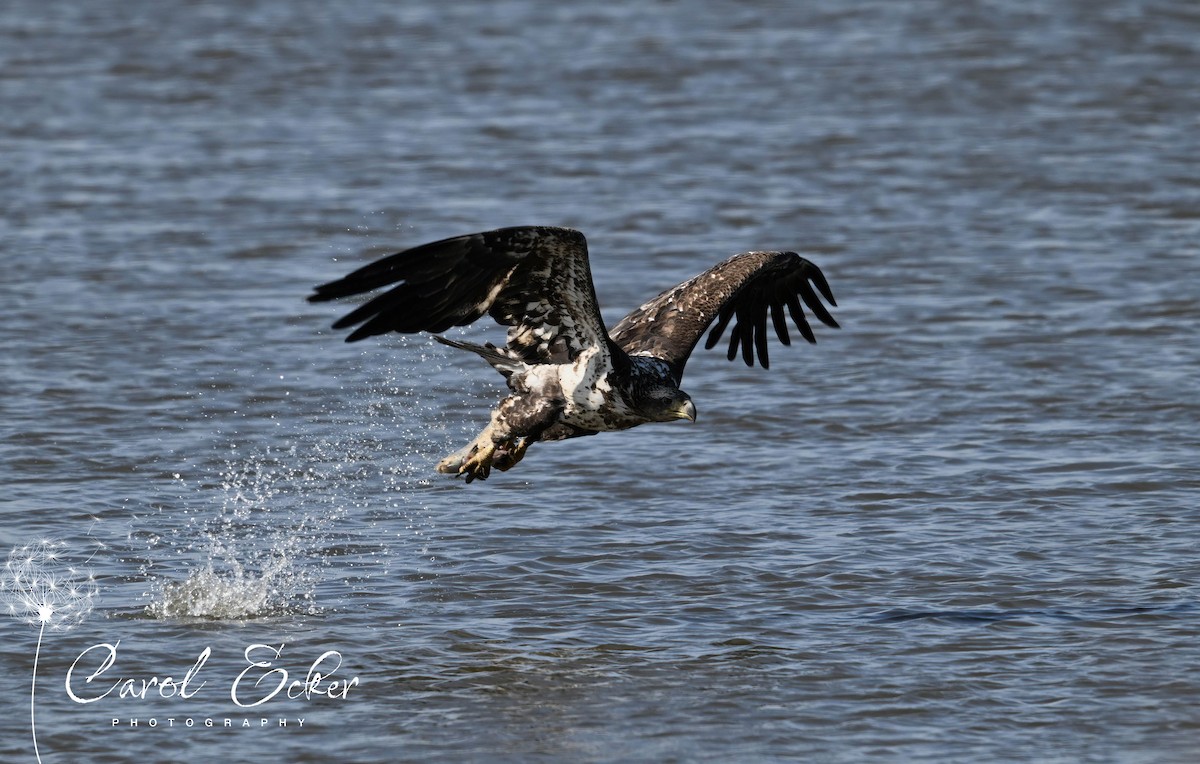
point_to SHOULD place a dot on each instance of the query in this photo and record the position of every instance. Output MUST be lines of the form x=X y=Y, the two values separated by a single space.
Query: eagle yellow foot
x=510 y=453
x=478 y=464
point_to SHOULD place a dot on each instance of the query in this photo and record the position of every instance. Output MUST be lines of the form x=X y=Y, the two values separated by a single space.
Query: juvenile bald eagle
x=567 y=374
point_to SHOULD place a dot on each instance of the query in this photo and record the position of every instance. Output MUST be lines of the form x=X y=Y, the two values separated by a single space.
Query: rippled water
x=961 y=528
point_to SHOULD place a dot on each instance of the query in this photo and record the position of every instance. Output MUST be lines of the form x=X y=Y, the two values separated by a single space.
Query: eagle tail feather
x=489 y=352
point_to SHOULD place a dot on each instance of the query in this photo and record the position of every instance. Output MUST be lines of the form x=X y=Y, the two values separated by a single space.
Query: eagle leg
x=516 y=423
x=510 y=453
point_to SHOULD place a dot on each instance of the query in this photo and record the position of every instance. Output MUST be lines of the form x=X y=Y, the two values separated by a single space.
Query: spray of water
x=287 y=520
x=257 y=554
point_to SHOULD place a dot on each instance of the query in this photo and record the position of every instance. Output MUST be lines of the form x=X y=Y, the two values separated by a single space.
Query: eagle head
x=664 y=404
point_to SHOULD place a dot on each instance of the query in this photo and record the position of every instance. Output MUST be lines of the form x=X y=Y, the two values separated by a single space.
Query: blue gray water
x=962 y=528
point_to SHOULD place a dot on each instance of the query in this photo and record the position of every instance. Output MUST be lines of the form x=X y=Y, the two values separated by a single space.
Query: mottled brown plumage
x=568 y=376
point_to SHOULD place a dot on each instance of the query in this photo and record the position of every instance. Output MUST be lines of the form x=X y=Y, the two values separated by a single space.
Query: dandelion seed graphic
x=38 y=593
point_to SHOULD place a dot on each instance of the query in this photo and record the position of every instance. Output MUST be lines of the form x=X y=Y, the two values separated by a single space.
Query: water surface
x=962 y=528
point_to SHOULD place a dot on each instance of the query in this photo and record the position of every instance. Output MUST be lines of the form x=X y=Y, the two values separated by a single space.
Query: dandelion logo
x=41 y=589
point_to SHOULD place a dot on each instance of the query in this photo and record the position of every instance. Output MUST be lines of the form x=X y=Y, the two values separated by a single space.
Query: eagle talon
x=479 y=464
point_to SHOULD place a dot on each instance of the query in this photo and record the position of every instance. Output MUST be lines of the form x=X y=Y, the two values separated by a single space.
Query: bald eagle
x=568 y=376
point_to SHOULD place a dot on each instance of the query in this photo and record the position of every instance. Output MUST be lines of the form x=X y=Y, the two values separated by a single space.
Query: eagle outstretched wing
x=745 y=287
x=534 y=279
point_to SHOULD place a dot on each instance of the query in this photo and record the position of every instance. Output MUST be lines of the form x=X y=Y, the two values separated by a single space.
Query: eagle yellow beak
x=686 y=410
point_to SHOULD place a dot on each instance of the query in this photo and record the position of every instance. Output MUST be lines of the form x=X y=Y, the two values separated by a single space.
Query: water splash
x=259 y=554
x=287 y=515
x=236 y=593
